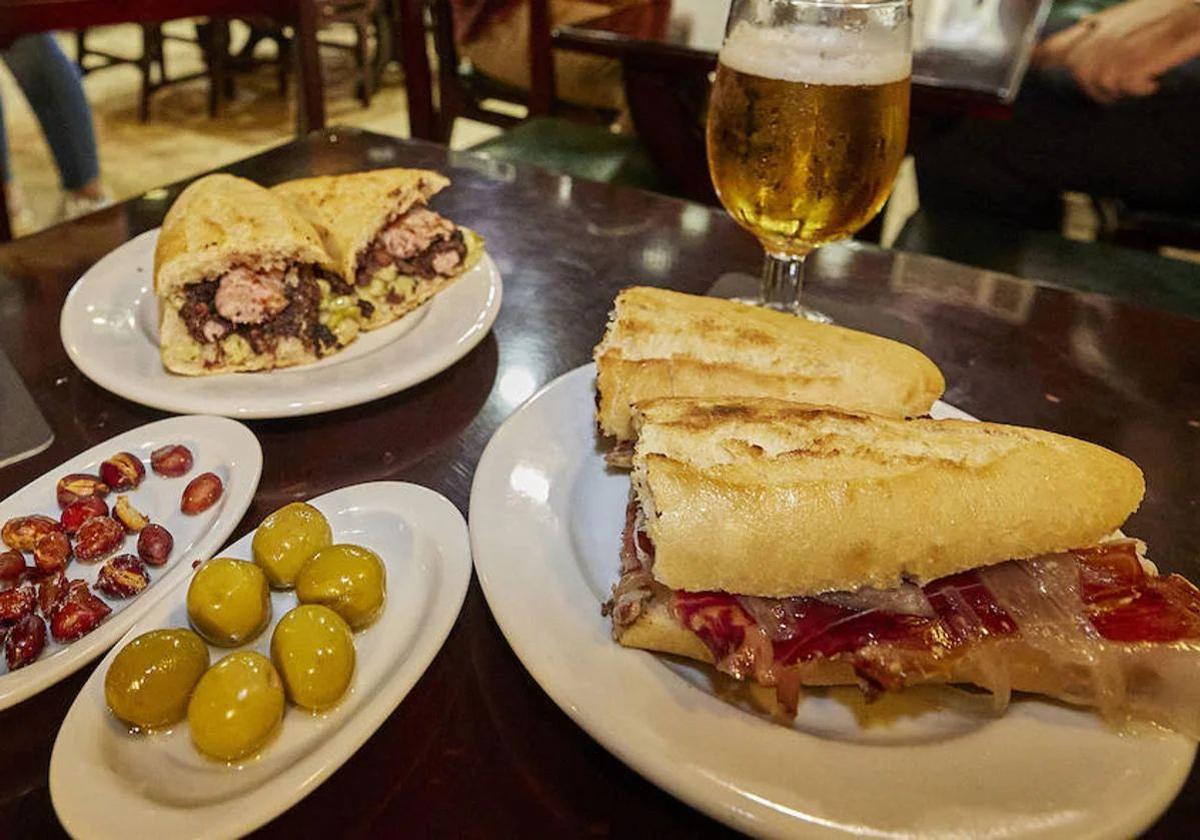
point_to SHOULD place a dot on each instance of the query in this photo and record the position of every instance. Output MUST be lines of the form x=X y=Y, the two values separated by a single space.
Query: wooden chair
x=462 y=90
x=212 y=37
x=363 y=15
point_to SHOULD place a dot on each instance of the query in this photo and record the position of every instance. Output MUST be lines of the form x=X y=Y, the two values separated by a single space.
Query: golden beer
x=801 y=164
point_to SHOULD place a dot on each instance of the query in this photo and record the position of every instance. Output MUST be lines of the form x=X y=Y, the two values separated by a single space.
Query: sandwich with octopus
x=244 y=284
x=792 y=545
x=384 y=239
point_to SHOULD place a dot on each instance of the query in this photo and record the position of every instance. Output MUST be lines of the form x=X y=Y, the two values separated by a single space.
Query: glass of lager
x=807 y=125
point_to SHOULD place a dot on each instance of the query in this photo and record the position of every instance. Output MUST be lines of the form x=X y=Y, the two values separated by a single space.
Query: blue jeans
x=51 y=84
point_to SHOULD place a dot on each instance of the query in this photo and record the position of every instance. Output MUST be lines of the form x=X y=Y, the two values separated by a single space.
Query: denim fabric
x=51 y=84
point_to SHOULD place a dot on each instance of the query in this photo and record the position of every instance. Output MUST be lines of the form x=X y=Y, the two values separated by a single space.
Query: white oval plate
x=107 y=783
x=109 y=327
x=222 y=446
x=546 y=519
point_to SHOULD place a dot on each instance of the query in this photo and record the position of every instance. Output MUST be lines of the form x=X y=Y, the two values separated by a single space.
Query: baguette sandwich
x=244 y=284
x=793 y=545
x=661 y=343
x=383 y=238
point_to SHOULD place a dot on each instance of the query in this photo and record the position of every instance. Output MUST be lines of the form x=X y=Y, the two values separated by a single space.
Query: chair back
x=463 y=97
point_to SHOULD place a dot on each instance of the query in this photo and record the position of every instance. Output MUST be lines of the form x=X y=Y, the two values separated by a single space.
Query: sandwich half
x=661 y=343
x=244 y=284
x=384 y=239
x=793 y=545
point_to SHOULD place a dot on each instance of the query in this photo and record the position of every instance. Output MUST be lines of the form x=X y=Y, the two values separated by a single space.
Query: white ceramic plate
x=109 y=328
x=546 y=518
x=107 y=783
x=218 y=445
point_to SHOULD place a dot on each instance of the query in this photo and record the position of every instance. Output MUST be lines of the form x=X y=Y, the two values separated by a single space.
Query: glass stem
x=782 y=282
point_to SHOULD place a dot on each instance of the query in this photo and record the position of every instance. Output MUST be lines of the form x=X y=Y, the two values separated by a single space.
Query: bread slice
x=217 y=223
x=221 y=220
x=348 y=212
x=764 y=497
x=661 y=343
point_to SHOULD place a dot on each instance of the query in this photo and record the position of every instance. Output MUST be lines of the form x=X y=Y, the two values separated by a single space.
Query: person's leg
x=1140 y=150
x=1005 y=168
x=51 y=84
x=18 y=211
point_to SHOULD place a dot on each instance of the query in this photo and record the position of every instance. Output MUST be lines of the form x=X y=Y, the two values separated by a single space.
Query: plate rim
x=726 y=803
x=447 y=599
x=468 y=339
x=95 y=644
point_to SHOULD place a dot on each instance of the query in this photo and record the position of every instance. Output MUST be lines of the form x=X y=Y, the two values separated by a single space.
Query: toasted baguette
x=348 y=212
x=218 y=222
x=661 y=344
x=770 y=498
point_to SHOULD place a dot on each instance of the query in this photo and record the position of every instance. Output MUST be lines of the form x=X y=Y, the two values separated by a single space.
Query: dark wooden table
x=477 y=749
x=23 y=17
x=969 y=56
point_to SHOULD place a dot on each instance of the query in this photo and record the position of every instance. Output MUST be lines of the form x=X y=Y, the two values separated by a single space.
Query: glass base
x=793 y=309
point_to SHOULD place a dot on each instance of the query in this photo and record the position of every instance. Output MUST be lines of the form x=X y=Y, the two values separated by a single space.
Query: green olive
x=313 y=649
x=150 y=680
x=349 y=579
x=286 y=539
x=229 y=601
x=236 y=707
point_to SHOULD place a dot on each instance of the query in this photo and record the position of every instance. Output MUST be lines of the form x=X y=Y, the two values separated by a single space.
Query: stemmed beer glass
x=807 y=125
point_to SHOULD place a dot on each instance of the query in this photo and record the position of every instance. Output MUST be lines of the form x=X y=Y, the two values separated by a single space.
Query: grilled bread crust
x=661 y=343
x=218 y=222
x=348 y=211
x=771 y=498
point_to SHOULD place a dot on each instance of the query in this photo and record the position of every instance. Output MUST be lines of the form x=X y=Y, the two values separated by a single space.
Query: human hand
x=1123 y=50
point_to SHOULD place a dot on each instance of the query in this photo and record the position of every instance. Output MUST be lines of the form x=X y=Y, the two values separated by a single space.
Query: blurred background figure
x=494 y=35
x=1111 y=108
x=50 y=81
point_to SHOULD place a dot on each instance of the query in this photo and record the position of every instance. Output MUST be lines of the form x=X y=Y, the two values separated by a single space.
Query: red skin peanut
x=202 y=492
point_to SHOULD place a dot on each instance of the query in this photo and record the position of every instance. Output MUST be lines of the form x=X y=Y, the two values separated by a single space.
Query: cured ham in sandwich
x=794 y=545
x=661 y=343
x=244 y=284
x=384 y=239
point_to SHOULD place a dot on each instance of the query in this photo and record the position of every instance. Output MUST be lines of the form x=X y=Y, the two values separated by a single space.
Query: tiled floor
x=180 y=139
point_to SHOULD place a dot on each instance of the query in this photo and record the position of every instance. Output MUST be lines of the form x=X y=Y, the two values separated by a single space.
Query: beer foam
x=817 y=55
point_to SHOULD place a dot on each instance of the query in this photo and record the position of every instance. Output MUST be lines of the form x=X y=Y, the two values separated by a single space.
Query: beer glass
x=807 y=125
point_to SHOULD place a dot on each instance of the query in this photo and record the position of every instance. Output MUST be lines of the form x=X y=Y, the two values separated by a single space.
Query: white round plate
x=109 y=328
x=108 y=783
x=546 y=520
x=221 y=446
